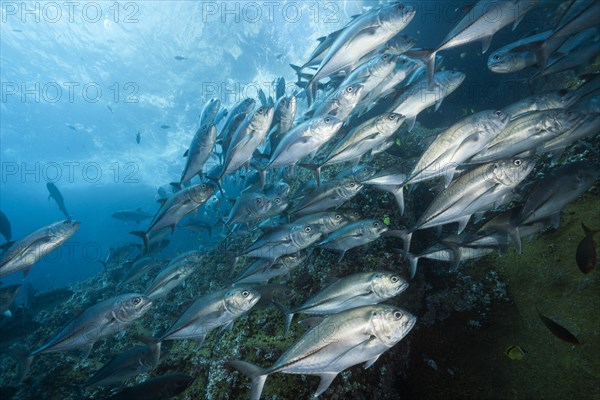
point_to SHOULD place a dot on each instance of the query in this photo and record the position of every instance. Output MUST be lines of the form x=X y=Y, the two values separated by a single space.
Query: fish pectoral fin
x=370 y=362
x=462 y=223
x=311 y=322
x=199 y=342
x=411 y=120
x=85 y=351
x=325 y=382
x=485 y=43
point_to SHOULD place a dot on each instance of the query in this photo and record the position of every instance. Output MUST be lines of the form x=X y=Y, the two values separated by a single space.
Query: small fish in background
x=71 y=127
x=57 y=196
x=586 y=250
x=138 y=138
x=109 y=108
x=165 y=127
x=558 y=330
x=180 y=58
x=515 y=352
x=5 y=228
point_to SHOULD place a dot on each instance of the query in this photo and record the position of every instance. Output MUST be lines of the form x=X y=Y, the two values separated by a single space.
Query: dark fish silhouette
x=57 y=196
x=179 y=58
x=71 y=127
x=557 y=330
x=586 y=250
x=5 y=229
x=164 y=126
x=138 y=138
x=161 y=387
x=109 y=108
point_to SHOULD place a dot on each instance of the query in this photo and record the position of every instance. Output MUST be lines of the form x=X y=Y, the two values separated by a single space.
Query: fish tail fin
x=256 y=374
x=413 y=261
x=24 y=358
x=316 y=169
x=103 y=264
x=144 y=236
x=152 y=343
x=428 y=57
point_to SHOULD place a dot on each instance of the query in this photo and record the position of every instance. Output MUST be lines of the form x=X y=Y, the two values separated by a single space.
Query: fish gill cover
x=191 y=175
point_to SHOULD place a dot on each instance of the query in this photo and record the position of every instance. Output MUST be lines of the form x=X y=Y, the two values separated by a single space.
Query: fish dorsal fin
x=161 y=201
x=186 y=153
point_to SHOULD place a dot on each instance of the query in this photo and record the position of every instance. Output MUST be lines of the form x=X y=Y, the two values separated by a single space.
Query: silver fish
x=102 y=319
x=249 y=207
x=340 y=102
x=175 y=208
x=356 y=290
x=262 y=270
x=361 y=140
x=528 y=132
x=422 y=95
x=304 y=139
x=505 y=60
x=25 y=252
x=174 y=274
x=355 y=234
x=198 y=153
x=361 y=36
x=133 y=362
x=479 y=189
x=211 y=311
x=457 y=144
x=359 y=335
x=480 y=24
x=209 y=112
x=541 y=102
x=246 y=139
x=331 y=194
x=288 y=239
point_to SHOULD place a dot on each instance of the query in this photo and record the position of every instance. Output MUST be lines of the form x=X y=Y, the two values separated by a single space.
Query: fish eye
x=338 y=216
x=398 y=314
x=352 y=184
x=277 y=200
x=66 y=222
x=203 y=186
x=496 y=57
x=349 y=89
x=517 y=162
x=245 y=293
x=376 y=224
x=327 y=120
x=259 y=201
x=261 y=110
x=137 y=300
x=307 y=229
x=400 y=7
x=395 y=279
x=498 y=113
x=391 y=117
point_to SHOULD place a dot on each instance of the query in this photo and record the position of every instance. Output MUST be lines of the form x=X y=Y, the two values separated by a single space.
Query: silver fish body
x=25 y=252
